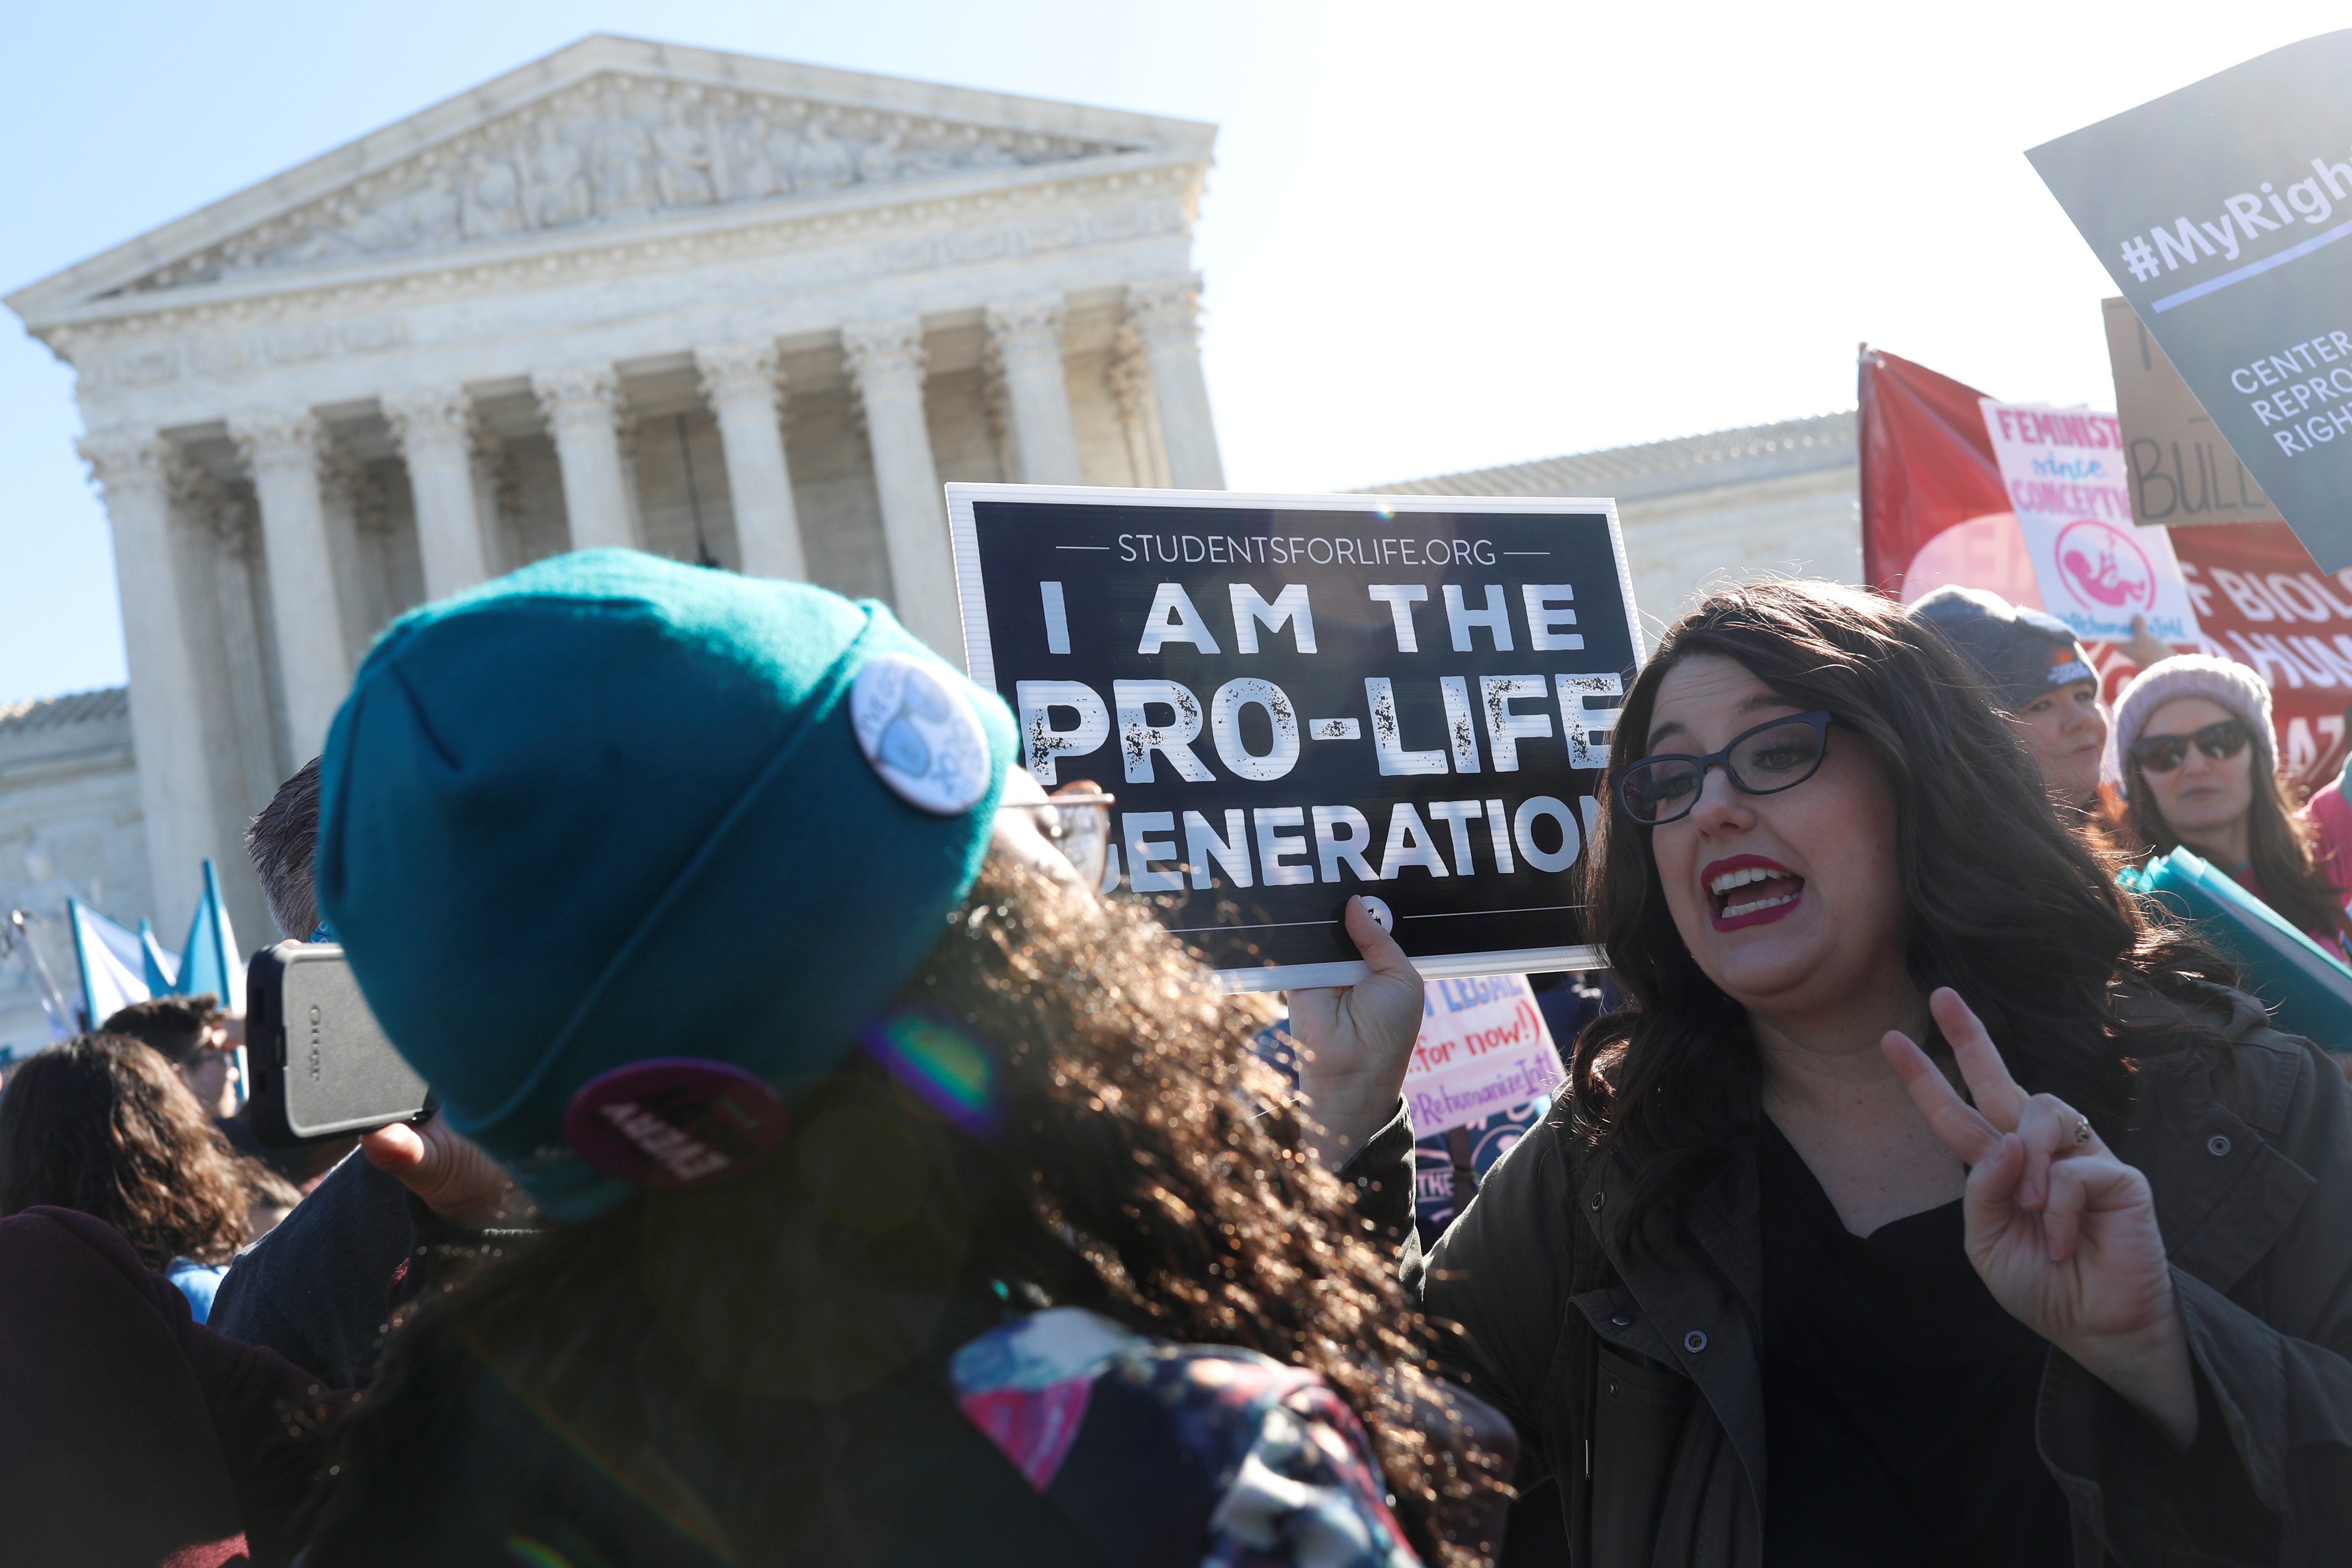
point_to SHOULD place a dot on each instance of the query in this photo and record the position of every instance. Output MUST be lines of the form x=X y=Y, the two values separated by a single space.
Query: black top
x=1899 y=1395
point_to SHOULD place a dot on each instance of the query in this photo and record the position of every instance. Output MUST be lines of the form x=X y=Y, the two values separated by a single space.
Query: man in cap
x=2039 y=675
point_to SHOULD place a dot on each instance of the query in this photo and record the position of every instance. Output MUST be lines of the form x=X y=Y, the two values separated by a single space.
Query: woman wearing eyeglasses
x=2193 y=748
x=1926 y=1205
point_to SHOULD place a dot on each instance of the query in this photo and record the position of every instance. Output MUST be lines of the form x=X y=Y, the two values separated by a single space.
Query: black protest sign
x=1297 y=698
x=2223 y=212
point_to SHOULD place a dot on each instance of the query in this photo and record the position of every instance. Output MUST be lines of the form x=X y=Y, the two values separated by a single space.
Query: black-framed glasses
x=1076 y=819
x=2220 y=741
x=1778 y=754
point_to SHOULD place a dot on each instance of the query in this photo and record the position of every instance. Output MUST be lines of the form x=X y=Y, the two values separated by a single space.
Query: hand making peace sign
x=2061 y=1231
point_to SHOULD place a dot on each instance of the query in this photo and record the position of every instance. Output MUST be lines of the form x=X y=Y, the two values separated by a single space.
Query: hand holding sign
x=2144 y=648
x=1355 y=1041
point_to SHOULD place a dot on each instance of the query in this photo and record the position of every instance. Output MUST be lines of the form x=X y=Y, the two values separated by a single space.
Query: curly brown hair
x=103 y=1125
x=1141 y=1161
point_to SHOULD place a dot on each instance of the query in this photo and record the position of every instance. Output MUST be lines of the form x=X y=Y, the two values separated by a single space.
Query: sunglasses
x=1774 y=756
x=1076 y=819
x=2162 y=753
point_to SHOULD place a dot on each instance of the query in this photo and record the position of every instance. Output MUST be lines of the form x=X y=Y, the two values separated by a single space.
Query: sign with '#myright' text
x=1297 y=699
x=2223 y=211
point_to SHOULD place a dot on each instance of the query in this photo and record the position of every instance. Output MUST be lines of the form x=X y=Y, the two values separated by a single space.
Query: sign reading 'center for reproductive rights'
x=2223 y=211
x=1297 y=698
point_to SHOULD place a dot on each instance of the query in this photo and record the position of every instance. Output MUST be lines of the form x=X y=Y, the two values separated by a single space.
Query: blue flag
x=162 y=963
x=208 y=960
x=113 y=963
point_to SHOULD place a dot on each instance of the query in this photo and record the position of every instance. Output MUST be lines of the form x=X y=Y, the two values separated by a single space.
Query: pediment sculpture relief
x=615 y=150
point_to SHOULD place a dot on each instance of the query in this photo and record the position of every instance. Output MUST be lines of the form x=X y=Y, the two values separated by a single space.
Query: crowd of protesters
x=825 y=1172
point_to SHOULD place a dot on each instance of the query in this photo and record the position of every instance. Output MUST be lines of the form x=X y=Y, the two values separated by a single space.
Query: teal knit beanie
x=612 y=820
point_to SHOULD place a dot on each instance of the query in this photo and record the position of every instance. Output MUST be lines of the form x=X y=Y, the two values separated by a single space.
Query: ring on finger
x=2082 y=1129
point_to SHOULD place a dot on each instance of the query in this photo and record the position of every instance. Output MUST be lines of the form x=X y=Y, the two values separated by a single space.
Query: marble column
x=1166 y=314
x=746 y=393
x=1027 y=337
x=284 y=450
x=436 y=438
x=434 y=430
x=582 y=406
x=167 y=724
x=887 y=363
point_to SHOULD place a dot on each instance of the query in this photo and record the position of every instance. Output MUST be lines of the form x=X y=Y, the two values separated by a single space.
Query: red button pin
x=674 y=1121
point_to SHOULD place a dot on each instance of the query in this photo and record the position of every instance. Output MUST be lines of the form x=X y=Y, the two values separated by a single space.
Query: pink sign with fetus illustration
x=2101 y=566
x=2063 y=470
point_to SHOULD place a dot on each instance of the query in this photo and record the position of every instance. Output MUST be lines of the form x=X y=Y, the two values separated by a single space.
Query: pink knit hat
x=2232 y=684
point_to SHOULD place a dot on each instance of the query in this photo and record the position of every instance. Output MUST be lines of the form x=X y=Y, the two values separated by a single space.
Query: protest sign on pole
x=2222 y=212
x=1483 y=1047
x=2180 y=468
x=1297 y=698
x=2063 y=470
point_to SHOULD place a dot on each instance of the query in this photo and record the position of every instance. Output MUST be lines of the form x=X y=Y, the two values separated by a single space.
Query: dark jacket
x=133 y=1435
x=1636 y=1388
x=321 y=1289
x=455 y=1470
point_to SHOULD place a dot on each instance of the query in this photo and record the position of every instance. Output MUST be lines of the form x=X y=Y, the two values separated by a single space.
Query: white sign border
x=2192 y=629
x=980 y=660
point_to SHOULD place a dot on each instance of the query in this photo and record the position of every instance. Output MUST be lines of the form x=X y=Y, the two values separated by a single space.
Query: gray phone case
x=322 y=1066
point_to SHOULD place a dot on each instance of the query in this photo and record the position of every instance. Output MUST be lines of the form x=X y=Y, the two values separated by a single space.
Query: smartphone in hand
x=322 y=1066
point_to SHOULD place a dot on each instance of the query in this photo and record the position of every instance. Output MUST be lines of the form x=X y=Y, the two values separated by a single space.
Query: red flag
x=1927 y=466
x=1933 y=511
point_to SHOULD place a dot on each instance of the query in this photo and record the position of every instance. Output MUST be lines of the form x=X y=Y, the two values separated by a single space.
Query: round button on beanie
x=611 y=809
x=2022 y=653
x=2219 y=680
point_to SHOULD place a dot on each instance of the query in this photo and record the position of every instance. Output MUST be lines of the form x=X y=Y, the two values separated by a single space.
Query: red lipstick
x=1744 y=890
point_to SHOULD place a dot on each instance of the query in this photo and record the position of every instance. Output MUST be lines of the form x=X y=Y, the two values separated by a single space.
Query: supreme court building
x=727 y=309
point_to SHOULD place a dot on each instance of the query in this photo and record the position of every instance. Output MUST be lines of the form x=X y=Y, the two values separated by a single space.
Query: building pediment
x=620 y=148
x=606 y=135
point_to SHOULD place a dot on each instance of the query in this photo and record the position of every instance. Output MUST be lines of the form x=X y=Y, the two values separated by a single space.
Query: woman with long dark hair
x=913 y=1205
x=2194 y=749
x=1924 y=1205
x=104 y=1125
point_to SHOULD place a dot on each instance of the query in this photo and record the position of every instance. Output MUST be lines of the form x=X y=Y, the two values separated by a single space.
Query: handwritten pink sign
x=1483 y=1047
x=2064 y=471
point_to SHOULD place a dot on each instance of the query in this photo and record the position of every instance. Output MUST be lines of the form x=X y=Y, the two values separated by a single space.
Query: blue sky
x=1437 y=236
